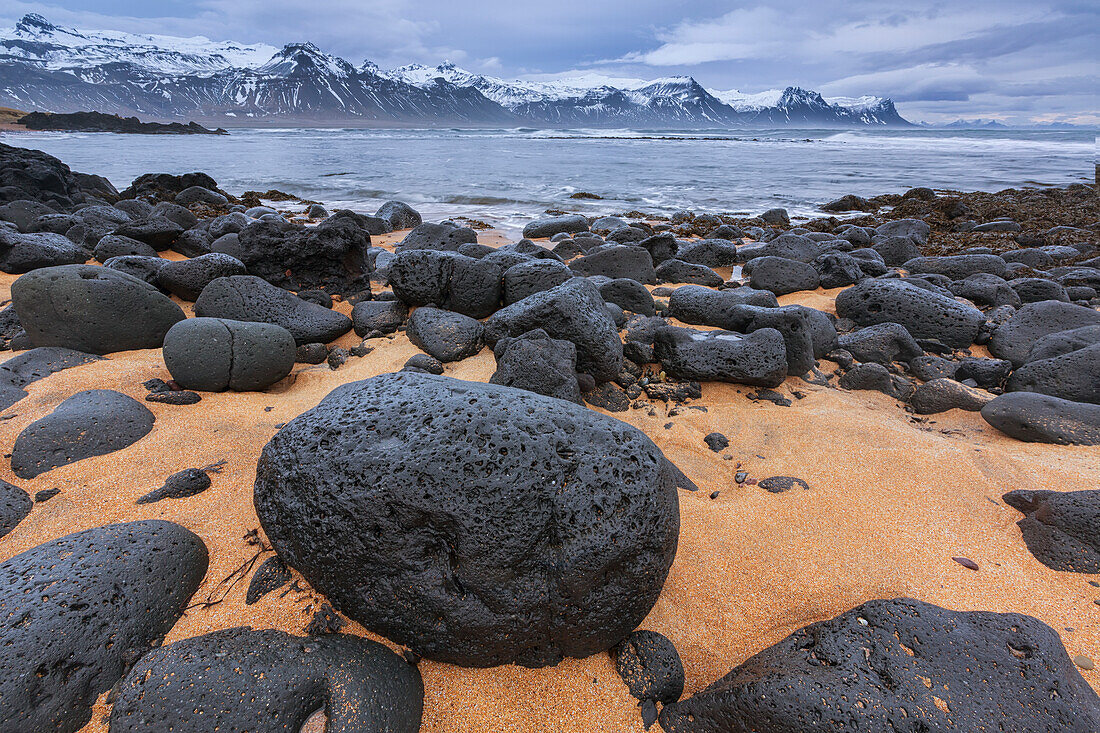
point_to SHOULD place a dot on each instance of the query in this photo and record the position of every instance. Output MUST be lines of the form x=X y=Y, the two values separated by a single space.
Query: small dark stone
x=608 y=396
x=180 y=485
x=271 y=575
x=716 y=442
x=46 y=494
x=325 y=621
x=650 y=666
x=779 y=484
x=337 y=357
x=966 y=562
x=311 y=353
x=174 y=398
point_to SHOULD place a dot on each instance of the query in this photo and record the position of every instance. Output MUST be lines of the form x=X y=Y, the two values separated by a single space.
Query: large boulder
x=30 y=366
x=914 y=229
x=782 y=276
x=472 y=522
x=882 y=343
x=708 y=252
x=900 y=665
x=332 y=255
x=378 y=316
x=537 y=363
x=702 y=306
x=1040 y=418
x=940 y=395
x=244 y=680
x=1013 y=340
x=250 y=298
x=155 y=230
x=77 y=611
x=445 y=335
x=21 y=253
x=93 y=309
x=677 y=271
x=447 y=279
x=31 y=175
x=630 y=295
x=925 y=314
x=573 y=311
x=527 y=278
x=758 y=359
x=90 y=423
x=957 y=267
x=1061 y=528
x=213 y=354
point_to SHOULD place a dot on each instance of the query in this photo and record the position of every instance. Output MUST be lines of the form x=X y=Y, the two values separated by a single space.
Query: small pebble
x=714 y=494
x=740 y=476
x=966 y=562
x=46 y=495
x=1083 y=662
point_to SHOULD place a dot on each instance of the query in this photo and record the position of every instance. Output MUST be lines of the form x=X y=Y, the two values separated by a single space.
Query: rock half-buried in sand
x=1062 y=529
x=76 y=612
x=90 y=423
x=15 y=505
x=1040 y=418
x=900 y=665
x=476 y=524
x=244 y=680
x=30 y=366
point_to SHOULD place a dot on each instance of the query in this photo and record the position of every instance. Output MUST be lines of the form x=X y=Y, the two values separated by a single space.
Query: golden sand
x=891 y=501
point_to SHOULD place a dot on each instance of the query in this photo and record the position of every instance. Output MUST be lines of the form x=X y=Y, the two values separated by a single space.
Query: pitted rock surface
x=244 y=680
x=476 y=524
x=868 y=670
x=77 y=611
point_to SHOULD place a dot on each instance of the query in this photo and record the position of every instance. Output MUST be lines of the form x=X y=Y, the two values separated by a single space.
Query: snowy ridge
x=49 y=68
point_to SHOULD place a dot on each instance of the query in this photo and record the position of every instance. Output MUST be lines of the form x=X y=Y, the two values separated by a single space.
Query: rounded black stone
x=475 y=524
x=650 y=666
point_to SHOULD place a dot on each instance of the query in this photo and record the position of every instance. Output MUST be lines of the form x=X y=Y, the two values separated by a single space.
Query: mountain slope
x=48 y=68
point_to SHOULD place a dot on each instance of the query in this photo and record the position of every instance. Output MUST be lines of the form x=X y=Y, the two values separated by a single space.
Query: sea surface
x=507 y=177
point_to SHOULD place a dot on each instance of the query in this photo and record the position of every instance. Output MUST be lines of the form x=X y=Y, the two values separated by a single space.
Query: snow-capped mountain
x=48 y=68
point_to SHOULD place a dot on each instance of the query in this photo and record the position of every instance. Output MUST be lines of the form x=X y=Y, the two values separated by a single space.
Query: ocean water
x=508 y=177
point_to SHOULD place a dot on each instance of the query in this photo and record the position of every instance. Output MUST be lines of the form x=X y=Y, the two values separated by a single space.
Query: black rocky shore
x=484 y=524
x=100 y=122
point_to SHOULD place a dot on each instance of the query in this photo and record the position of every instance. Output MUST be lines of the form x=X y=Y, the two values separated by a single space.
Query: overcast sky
x=1014 y=60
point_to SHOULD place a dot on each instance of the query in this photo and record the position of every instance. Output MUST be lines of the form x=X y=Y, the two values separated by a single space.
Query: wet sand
x=891 y=501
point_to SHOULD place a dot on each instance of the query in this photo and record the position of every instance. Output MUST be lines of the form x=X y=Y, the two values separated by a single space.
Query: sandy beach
x=892 y=499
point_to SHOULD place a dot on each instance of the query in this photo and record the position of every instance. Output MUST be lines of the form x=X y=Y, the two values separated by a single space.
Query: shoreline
x=893 y=497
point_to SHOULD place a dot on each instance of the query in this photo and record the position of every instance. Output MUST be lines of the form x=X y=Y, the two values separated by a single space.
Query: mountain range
x=44 y=67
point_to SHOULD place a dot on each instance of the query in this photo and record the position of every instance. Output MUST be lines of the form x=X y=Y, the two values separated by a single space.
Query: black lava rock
x=537 y=363
x=187 y=278
x=432 y=512
x=15 y=505
x=143 y=268
x=1062 y=529
x=650 y=666
x=607 y=396
x=1040 y=418
x=445 y=335
x=678 y=271
x=21 y=253
x=779 y=484
x=90 y=423
x=717 y=442
x=156 y=230
x=115 y=245
x=213 y=354
x=956 y=267
x=868 y=670
x=19 y=371
x=271 y=575
x=570 y=224
x=925 y=314
x=630 y=295
x=444 y=237
x=1013 y=340
x=782 y=276
x=331 y=255
x=535 y=276
x=179 y=485
x=448 y=280
x=399 y=215
x=244 y=680
x=869 y=376
x=378 y=316
x=1073 y=376
x=615 y=261
x=250 y=298
x=940 y=395
x=92 y=309
x=573 y=311
x=709 y=252
x=182 y=397
x=882 y=343
x=705 y=307
x=424 y=363
x=113 y=592
x=758 y=359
